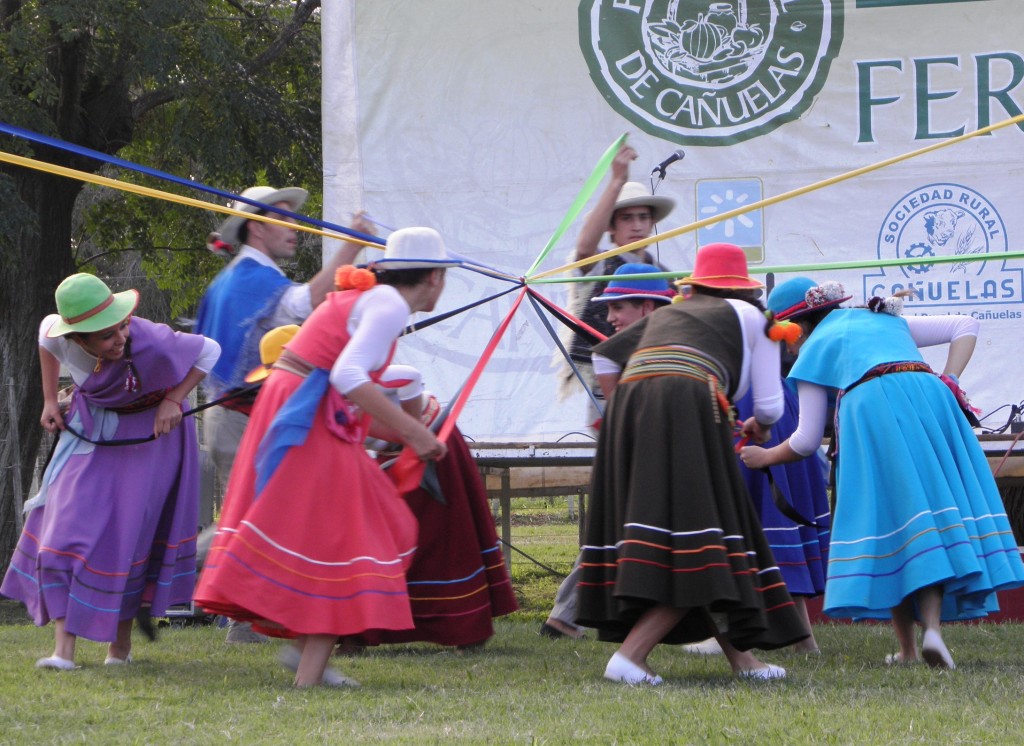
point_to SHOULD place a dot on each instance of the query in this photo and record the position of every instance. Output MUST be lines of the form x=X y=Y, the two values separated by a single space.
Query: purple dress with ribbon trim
x=114 y=526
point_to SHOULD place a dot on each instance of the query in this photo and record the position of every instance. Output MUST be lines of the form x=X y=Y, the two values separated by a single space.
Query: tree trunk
x=45 y=259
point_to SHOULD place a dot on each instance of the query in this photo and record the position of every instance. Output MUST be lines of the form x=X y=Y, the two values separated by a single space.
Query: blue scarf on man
x=236 y=312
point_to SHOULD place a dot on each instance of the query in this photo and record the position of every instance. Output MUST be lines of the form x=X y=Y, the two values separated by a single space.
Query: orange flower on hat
x=349 y=277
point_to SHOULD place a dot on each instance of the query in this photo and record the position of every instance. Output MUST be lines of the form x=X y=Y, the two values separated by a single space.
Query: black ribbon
x=783 y=504
x=236 y=394
x=448 y=314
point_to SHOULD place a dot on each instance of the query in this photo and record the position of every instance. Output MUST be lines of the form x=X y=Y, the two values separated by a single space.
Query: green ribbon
x=589 y=187
x=798 y=268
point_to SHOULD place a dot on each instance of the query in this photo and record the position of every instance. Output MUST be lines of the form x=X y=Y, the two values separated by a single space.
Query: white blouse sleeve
x=761 y=364
x=928 y=331
x=813 y=412
x=377 y=319
x=295 y=306
x=54 y=345
x=78 y=363
x=208 y=356
x=603 y=365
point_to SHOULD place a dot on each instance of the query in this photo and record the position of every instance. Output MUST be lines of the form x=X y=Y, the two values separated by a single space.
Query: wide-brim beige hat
x=635 y=194
x=415 y=248
x=267 y=195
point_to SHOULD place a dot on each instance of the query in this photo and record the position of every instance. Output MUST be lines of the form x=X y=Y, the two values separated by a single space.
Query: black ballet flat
x=546 y=630
x=145 y=621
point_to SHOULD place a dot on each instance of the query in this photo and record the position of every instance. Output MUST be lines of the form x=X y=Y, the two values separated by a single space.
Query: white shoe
x=57 y=663
x=620 y=668
x=935 y=652
x=769 y=672
x=243 y=633
x=896 y=659
x=337 y=679
x=112 y=661
x=709 y=646
x=290 y=656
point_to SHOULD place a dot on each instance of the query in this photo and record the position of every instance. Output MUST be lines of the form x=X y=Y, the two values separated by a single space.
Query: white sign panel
x=482 y=119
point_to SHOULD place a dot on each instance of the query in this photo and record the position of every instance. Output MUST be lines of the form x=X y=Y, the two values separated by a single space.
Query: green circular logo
x=710 y=73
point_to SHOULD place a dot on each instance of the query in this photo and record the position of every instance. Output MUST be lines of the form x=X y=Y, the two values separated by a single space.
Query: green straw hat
x=85 y=304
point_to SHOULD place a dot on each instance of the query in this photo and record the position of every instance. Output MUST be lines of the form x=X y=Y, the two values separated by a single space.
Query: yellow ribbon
x=773 y=200
x=125 y=186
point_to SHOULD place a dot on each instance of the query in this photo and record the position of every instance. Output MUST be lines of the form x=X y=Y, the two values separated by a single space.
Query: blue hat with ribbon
x=801 y=295
x=656 y=289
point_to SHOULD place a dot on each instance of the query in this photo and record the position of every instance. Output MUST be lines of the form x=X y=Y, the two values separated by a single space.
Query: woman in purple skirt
x=113 y=527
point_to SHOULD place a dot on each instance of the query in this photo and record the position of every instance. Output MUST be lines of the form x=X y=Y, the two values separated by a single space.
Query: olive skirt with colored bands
x=671 y=524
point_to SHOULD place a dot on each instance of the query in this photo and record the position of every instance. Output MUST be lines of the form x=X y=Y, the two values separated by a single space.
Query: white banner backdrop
x=483 y=118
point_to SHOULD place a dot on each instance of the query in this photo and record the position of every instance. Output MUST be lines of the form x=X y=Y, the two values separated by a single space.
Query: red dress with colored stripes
x=324 y=547
x=458 y=581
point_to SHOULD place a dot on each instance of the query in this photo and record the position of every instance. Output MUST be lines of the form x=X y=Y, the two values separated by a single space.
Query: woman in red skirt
x=315 y=540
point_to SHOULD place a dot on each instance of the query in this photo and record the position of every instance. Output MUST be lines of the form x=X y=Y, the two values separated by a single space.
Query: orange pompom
x=363 y=279
x=793 y=332
x=349 y=277
x=341 y=276
x=784 y=331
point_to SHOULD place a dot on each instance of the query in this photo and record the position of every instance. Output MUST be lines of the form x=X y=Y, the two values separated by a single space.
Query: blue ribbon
x=52 y=142
x=290 y=426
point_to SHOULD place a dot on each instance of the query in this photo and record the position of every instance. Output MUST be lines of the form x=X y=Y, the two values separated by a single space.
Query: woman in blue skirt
x=919 y=530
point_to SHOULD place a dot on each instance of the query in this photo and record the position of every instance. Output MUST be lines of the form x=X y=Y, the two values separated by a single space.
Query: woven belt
x=677 y=360
x=671 y=361
x=909 y=366
x=292 y=363
x=148 y=401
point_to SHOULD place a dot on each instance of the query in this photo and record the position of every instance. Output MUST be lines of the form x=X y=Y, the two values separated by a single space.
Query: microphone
x=660 y=168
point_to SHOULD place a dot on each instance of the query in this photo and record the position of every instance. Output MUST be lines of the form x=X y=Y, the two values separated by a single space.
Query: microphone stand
x=660 y=171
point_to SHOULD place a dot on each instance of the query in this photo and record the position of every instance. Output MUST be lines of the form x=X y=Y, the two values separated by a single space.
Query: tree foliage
x=223 y=92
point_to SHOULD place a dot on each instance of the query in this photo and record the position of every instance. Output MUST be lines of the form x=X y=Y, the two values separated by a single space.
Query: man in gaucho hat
x=627 y=213
x=247 y=298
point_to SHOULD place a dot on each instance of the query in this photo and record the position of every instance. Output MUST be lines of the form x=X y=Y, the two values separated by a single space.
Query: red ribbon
x=407 y=471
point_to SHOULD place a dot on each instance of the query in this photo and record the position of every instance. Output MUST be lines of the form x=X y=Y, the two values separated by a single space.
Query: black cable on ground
x=538 y=563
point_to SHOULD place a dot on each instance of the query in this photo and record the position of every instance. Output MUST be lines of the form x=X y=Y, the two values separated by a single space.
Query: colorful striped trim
x=280 y=547
x=322 y=596
x=472 y=575
x=895 y=531
x=452 y=614
x=672 y=360
x=475 y=592
x=314 y=578
x=686 y=362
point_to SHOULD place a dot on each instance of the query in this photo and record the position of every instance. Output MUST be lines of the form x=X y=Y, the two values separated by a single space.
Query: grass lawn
x=190 y=687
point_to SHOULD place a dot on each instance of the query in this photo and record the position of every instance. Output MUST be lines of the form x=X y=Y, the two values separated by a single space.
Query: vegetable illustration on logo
x=717 y=46
x=710 y=73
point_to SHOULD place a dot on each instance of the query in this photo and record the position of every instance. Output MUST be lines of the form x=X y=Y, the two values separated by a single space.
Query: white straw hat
x=294 y=196
x=415 y=248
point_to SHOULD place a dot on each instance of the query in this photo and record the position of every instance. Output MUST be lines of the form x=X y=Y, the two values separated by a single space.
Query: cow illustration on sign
x=940 y=225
